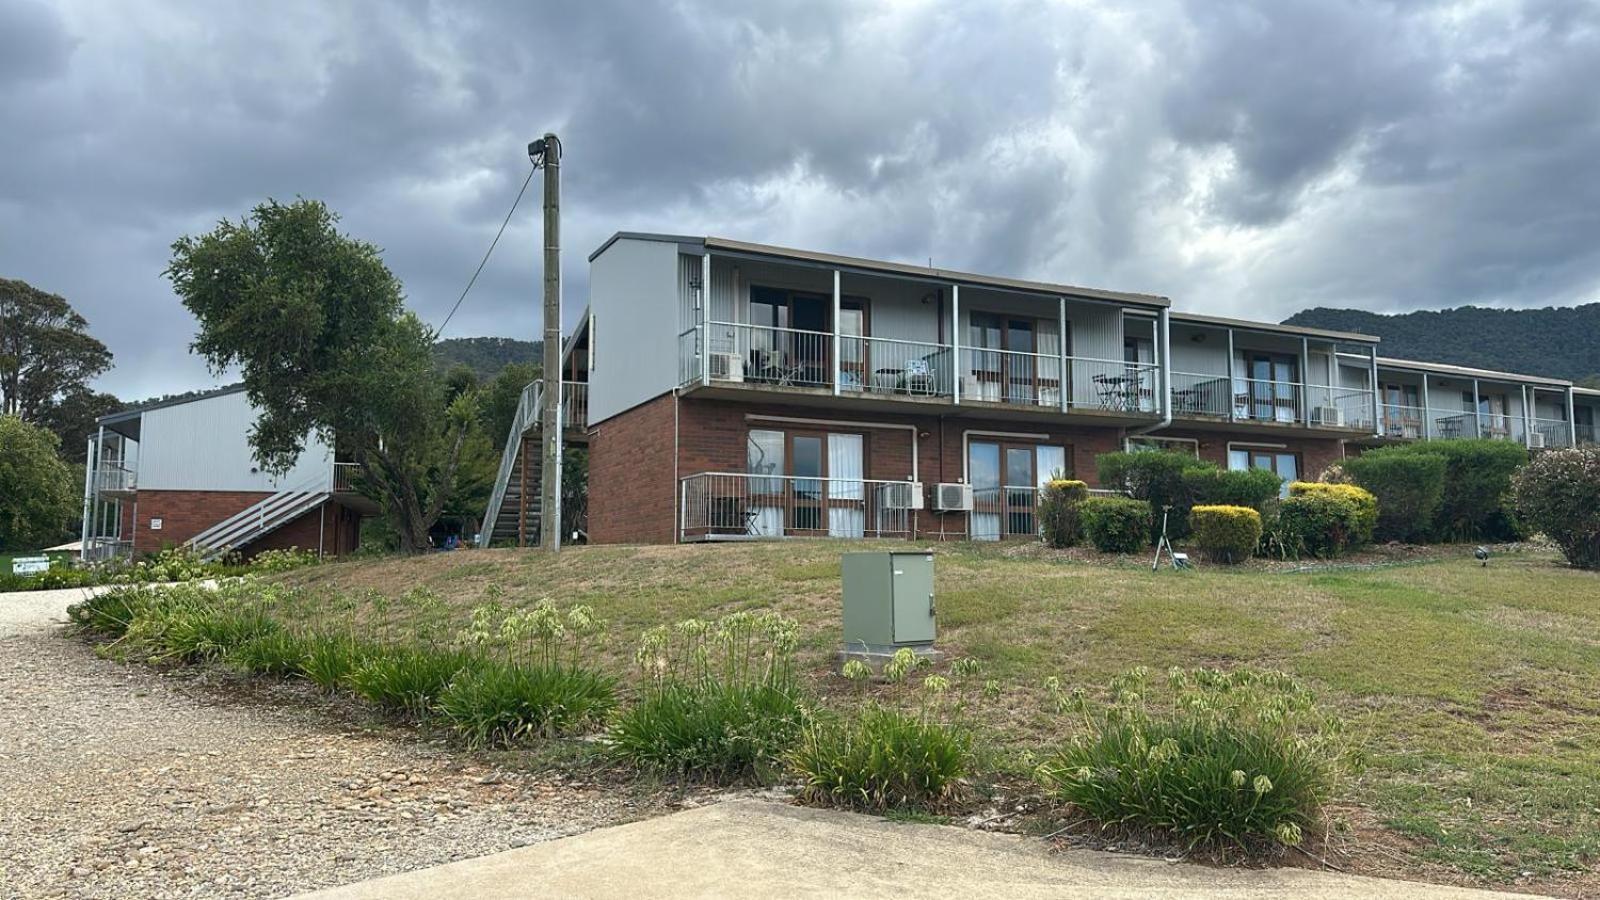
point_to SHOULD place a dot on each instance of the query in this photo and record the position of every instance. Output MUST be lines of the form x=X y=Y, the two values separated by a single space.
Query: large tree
x=317 y=326
x=46 y=352
x=72 y=419
x=38 y=495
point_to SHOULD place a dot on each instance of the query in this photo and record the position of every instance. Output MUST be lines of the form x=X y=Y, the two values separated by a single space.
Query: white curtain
x=845 y=473
x=1050 y=462
x=764 y=456
x=1048 y=344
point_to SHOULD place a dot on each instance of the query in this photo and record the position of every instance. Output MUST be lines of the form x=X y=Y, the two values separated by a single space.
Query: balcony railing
x=1551 y=433
x=100 y=549
x=1403 y=421
x=1588 y=435
x=344 y=477
x=1004 y=512
x=879 y=365
x=111 y=478
x=1262 y=400
x=733 y=506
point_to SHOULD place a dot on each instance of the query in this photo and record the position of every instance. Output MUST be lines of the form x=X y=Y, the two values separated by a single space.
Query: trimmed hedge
x=1116 y=524
x=1212 y=486
x=1058 y=512
x=1320 y=524
x=1365 y=505
x=1225 y=534
x=1409 y=487
x=1477 y=485
x=1558 y=493
x=1158 y=477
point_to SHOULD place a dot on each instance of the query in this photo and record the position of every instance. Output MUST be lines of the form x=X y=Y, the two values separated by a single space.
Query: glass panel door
x=761 y=512
x=1021 y=487
x=853 y=363
x=847 y=512
x=1021 y=370
x=983 y=473
x=985 y=335
x=808 y=466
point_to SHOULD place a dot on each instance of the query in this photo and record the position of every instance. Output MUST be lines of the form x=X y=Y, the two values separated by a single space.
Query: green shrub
x=1320 y=525
x=1158 y=477
x=1219 y=758
x=276 y=654
x=330 y=660
x=1477 y=480
x=1226 y=534
x=1116 y=524
x=271 y=561
x=1408 y=487
x=1212 y=486
x=1558 y=493
x=408 y=679
x=498 y=704
x=1058 y=512
x=110 y=612
x=189 y=623
x=721 y=700
x=54 y=578
x=1365 y=506
x=881 y=759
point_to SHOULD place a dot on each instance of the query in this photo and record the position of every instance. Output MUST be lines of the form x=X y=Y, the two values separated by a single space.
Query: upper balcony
x=830 y=330
x=1434 y=401
x=1259 y=377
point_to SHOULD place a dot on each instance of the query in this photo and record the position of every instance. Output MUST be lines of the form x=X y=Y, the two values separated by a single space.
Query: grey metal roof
x=879 y=266
x=1297 y=330
x=136 y=411
x=1468 y=372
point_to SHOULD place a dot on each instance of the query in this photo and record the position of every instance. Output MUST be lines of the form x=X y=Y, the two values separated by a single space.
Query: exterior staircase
x=507 y=502
x=262 y=518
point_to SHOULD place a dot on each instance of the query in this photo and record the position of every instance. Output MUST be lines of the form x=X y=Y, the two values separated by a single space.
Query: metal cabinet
x=888 y=600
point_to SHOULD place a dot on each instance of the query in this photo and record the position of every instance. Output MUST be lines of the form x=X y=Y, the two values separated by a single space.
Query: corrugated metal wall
x=205 y=446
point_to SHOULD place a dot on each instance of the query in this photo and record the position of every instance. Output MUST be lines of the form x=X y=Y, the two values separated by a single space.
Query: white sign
x=155 y=524
x=30 y=565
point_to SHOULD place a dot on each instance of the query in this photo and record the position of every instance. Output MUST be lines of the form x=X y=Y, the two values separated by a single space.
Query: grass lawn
x=1477 y=689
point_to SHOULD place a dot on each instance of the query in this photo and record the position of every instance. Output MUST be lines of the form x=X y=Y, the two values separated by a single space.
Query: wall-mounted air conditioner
x=901 y=495
x=1536 y=440
x=727 y=367
x=952 y=497
x=1327 y=416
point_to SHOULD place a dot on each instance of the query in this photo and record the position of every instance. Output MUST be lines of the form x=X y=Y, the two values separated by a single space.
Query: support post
x=1061 y=345
x=550 y=405
x=705 y=319
x=91 y=465
x=1527 y=416
x=1572 y=420
x=837 y=369
x=1305 y=381
x=1164 y=362
x=1372 y=382
x=1232 y=398
x=955 y=343
x=1427 y=411
x=1477 y=404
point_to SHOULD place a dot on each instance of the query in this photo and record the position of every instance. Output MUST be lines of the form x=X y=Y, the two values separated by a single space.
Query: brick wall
x=1316 y=454
x=185 y=514
x=632 y=483
x=632 y=490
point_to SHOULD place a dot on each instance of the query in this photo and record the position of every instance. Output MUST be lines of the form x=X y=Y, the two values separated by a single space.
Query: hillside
x=1560 y=342
x=485 y=356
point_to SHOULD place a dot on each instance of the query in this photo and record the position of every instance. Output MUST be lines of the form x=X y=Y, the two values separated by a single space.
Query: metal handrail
x=746 y=506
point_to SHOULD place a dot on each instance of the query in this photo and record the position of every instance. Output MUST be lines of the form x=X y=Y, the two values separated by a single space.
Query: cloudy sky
x=1244 y=158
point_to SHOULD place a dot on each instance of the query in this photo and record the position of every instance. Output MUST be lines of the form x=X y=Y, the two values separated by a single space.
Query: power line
x=474 y=279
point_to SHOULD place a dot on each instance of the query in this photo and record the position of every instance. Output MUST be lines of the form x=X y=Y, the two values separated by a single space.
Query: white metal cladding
x=631 y=293
x=204 y=445
x=1206 y=356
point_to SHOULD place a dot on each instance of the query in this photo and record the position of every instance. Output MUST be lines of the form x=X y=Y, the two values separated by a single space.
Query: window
x=1014 y=359
x=1188 y=446
x=1273 y=394
x=1005 y=479
x=1281 y=462
x=816 y=485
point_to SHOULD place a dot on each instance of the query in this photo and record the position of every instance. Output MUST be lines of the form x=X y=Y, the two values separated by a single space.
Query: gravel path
x=123 y=782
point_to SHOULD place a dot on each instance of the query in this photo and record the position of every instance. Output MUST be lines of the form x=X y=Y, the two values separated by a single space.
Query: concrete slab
x=751 y=848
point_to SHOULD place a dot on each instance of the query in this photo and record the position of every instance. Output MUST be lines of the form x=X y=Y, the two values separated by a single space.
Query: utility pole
x=547 y=152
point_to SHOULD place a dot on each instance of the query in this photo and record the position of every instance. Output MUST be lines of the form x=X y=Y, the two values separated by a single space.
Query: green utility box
x=888 y=601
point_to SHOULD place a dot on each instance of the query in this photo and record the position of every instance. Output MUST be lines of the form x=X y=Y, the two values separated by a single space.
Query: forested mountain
x=1559 y=342
x=485 y=356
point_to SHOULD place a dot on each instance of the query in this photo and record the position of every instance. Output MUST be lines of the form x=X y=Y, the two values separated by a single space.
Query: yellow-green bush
x=1225 y=534
x=1116 y=524
x=1058 y=511
x=1360 y=499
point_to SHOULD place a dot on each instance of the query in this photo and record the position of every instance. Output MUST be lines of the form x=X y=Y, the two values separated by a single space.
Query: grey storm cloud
x=1246 y=158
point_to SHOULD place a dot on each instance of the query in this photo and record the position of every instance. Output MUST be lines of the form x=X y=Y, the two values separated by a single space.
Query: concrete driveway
x=752 y=848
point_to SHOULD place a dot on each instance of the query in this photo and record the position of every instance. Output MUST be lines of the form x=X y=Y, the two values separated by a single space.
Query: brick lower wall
x=184 y=514
x=633 y=495
x=1315 y=454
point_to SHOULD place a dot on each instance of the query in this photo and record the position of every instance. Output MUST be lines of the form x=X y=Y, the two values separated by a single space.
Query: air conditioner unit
x=952 y=497
x=1536 y=440
x=1327 y=416
x=727 y=367
x=901 y=495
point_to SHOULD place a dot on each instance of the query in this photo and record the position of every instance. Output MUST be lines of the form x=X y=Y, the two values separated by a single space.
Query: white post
x=955 y=343
x=89 y=466
x=1305 y=381
x=1427 y=411
x=1527 y=416
x=1233 y=404
x=1477 y=403
x=1372 y=382
x=1572 y=420
x=705 y=319
x=836 y=310
x=1061 y=345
